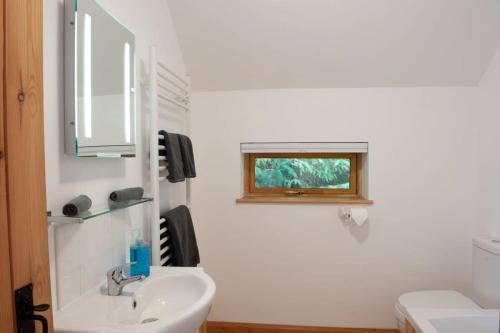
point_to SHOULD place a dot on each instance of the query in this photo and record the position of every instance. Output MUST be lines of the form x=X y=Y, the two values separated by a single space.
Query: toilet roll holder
x=346 y=215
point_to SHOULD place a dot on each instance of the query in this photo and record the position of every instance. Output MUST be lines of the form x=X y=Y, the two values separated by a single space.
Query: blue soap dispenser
x=140 y=254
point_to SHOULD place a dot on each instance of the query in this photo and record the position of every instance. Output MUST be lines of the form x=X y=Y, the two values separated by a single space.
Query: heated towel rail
x=166 y=88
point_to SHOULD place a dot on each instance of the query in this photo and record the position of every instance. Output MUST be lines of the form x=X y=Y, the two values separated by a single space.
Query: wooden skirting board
x=224 y=327
x=409 y=328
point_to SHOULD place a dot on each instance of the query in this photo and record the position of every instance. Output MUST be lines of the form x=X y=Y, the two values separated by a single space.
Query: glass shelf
x=93 y=212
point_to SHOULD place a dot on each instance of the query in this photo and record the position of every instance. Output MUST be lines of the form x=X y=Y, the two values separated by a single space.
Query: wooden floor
x=223 y=327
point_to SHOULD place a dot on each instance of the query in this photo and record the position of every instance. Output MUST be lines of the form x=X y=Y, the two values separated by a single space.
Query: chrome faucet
x=116 y=280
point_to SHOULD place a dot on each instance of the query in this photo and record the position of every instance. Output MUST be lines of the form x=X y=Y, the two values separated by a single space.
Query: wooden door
x=22 y=169
x=6 y=304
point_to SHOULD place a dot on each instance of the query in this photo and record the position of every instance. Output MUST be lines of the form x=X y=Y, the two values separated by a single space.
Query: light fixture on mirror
x=87 y=75
x=126 y=90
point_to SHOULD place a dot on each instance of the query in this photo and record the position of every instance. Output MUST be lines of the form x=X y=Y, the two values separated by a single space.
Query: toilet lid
x=436 y=299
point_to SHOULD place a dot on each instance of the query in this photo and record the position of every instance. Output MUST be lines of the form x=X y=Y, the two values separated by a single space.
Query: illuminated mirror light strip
x=126 y=90
x=87 y=75
x=75 y=71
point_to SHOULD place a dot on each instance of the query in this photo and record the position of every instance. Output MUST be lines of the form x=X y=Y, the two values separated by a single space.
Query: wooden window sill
x=270 y=199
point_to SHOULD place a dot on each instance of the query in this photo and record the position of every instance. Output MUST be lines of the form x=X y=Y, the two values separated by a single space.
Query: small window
x=302 y=173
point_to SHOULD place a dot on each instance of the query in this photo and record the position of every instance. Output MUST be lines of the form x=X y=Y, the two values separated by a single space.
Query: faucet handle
x=116 y=273
x=116 y=280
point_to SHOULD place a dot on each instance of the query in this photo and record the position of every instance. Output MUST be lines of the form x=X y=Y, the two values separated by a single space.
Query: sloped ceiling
x=260 y=44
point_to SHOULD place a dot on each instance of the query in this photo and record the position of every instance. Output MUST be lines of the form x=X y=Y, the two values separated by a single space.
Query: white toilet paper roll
x=359 y=215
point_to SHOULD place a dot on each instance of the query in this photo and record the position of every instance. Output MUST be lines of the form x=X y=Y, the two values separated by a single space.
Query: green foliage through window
x=306 y=173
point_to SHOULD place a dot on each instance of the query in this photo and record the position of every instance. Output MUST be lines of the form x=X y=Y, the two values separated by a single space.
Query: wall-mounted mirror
x=100 y=82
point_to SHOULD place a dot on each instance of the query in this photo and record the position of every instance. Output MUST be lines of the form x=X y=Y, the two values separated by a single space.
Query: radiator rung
x=164 y=250
x=163 y=240
x=164 y=261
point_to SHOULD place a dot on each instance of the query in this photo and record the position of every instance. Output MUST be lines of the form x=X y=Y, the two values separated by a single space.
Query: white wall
x=299 y=264
x=489 y=184
x=292 y=264
x=86 y=252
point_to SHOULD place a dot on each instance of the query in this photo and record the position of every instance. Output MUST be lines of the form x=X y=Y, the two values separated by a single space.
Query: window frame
x=251 y=190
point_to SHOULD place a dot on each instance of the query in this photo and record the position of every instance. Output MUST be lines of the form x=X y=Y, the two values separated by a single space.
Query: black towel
x=187 y=156
x=78 y=205
x=180 y=227
x=174 y=158
x=132 y=193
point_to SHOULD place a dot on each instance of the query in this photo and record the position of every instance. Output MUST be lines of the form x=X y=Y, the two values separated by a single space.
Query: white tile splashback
x=85 y=252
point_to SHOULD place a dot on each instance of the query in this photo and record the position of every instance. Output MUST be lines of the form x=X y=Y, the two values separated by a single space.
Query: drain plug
x=148 y=320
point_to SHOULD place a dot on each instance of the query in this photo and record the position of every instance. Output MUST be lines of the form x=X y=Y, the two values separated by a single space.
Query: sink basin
x=170 y=300
x=455 y=320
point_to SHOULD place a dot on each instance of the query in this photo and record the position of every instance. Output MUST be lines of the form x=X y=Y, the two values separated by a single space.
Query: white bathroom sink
x=171 y=300
x=455 y=320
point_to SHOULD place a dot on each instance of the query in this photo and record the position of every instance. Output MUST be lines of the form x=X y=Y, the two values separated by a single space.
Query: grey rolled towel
x=132 y=193
x=78 y=205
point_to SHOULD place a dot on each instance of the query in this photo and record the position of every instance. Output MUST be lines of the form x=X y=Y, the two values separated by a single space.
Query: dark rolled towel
x=175 y=166
x=78 y=205
x=187 y=156
x=132 y=193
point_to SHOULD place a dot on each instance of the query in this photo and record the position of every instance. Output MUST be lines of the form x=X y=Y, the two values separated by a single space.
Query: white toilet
x=486 y=286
